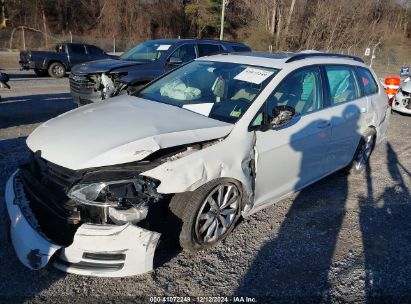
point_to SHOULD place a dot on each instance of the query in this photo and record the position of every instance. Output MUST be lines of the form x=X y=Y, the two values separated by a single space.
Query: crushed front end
x=89 y=88
x=402 y=100
x=84 y=222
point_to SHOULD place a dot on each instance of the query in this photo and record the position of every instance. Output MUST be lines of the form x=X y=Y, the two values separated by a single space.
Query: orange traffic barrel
x=392 y=83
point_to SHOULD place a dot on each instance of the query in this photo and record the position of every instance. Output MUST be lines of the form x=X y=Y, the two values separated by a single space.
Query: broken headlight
x=122 y=194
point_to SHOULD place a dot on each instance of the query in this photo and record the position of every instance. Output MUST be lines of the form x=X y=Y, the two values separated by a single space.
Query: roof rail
x=301 y=56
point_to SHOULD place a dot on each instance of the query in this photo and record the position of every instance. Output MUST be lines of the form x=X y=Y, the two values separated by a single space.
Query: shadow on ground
x=24 y=76
x=22 y=110
x=296 y=264
x=385 y=223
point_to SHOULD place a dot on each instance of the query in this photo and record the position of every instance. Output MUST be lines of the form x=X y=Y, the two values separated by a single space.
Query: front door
x=294 y=156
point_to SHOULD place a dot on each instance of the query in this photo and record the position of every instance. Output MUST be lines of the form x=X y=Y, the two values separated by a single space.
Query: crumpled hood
x=120 y=130
x=102 y=66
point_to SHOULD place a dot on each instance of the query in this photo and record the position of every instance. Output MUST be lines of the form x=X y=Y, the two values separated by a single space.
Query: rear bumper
x=27 y=65
x=97 y=250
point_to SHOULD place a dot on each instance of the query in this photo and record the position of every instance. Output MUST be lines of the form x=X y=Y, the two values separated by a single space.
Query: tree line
x=281 y=24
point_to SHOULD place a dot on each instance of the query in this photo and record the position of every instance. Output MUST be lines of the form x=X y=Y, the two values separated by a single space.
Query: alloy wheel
x=217 y=213
x=58 y=70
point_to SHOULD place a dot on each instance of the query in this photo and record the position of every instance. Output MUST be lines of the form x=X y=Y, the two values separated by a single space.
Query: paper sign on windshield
x=200 y=108
x=253 y=75
x=163 y=47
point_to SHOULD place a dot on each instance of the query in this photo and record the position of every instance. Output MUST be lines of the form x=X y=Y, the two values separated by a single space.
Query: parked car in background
x=4 y=79
x=402 y=100
x=56 y=64
x=216 y=139
x=98 y=80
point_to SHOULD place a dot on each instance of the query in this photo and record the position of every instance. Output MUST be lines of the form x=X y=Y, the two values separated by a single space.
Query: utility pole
x=225 y=3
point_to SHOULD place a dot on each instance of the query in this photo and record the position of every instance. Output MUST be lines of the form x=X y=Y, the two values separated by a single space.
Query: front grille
x=81 y=84
x=82 y=265
x=104 y=256
x=45 y=186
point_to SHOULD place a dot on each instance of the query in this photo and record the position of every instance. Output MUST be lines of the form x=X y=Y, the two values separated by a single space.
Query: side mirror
x=174 y=61
x=282 y=116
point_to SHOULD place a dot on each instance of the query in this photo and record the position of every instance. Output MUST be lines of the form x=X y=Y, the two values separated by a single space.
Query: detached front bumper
x=97 y=250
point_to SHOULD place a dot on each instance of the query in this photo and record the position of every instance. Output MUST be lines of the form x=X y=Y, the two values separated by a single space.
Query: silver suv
x=218 y=138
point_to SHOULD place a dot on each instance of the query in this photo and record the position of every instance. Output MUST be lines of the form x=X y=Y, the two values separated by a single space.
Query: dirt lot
x=346 y=238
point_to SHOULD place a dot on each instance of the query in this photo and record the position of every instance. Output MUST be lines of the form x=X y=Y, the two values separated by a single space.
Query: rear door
x=77 y=54
x=95 y=53
x=348 y=108
x=378 y=102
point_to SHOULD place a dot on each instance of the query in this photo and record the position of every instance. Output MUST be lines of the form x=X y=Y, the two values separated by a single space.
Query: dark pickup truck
x=57 y=63
x=101 y=79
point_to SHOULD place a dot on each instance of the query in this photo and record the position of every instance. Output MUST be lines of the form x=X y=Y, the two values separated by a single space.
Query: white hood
x=120 y=130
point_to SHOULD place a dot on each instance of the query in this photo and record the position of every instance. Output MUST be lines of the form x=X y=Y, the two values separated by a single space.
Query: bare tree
x=287 y=26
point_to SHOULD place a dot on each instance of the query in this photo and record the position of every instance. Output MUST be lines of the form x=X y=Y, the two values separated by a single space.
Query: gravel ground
x=343 y=239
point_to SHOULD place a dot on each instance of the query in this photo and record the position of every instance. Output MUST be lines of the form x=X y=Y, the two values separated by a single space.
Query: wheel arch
x=51 y=61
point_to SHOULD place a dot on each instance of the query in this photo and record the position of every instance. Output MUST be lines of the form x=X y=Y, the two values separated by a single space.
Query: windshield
x=147 y=51
x=219 y=90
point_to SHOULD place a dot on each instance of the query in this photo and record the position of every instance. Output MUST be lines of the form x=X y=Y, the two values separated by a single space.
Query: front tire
x=57 y=70
x=363 y=152
x=208 y=214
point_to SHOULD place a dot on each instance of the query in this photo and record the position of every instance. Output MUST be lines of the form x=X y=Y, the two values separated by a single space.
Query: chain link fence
x=384 y=59
x=31 y=39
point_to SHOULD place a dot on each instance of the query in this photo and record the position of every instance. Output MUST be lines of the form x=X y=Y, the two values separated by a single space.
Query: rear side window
x=60 y=48
x=185 y=53
x=241 y=48
x=93 y=50
x=368 y=82
x=208 y=49
x=342 y=83
x=78 y=49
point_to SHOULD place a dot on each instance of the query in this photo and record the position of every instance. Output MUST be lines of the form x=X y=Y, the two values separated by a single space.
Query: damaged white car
x=216 y=139
x=402 y=100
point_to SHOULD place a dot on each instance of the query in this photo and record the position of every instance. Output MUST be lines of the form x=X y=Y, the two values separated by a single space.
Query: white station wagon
x=218 y=138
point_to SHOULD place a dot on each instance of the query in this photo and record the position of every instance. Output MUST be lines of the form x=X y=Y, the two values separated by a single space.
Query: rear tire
x=363 y=152
x=207 y=215
x=56 y=70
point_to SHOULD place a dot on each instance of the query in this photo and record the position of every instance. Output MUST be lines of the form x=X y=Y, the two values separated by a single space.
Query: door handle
x=324 y=124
